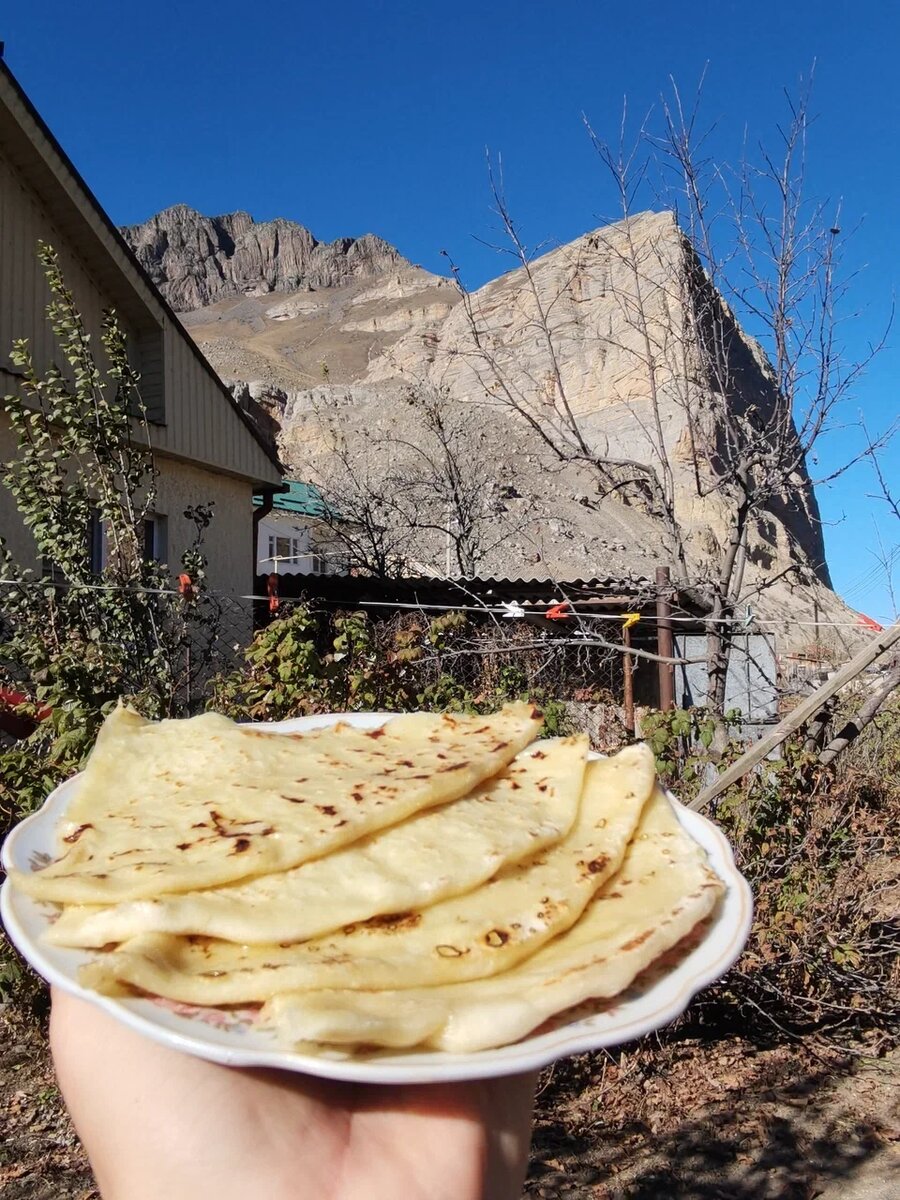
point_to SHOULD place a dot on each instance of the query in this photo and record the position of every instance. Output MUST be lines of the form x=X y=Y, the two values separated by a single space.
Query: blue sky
x=353 y=117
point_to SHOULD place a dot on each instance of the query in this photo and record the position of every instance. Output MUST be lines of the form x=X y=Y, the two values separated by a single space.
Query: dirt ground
x=687 y=1121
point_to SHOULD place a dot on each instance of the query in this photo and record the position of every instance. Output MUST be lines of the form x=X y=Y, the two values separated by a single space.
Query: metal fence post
x=664 y=641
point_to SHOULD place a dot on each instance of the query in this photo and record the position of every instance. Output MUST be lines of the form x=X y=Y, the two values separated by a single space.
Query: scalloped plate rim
x=652 y=1009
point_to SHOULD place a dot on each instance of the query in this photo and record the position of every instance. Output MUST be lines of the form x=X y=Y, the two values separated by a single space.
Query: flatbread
x=665 y=887
x=428 y=858
x=481 y=933
x=179 y=805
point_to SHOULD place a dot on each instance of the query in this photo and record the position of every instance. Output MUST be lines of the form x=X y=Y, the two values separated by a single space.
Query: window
x=154 y=546
x=290 y=554
x=284 y=548
x=96 y=543
x=155 y=533
x=148 y=353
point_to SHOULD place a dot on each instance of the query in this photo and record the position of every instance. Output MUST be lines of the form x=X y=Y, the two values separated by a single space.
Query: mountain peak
x=196 y=260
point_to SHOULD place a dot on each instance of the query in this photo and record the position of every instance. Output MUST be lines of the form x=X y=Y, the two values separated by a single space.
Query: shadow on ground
x=751 y=1128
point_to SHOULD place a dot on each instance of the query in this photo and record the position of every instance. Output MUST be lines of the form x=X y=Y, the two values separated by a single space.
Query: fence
x=579 y=659
x=457 y=654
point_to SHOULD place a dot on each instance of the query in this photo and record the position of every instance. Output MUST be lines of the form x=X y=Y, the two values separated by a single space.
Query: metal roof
x=636 y=592
x=304 y=499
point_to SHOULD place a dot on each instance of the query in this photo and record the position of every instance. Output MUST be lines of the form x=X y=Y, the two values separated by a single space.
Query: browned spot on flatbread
x=496 y=938
x=637 y=941
x=597 y=864
x=76 y=833
x=376 y=733
x=393 y=922
x=327 y=810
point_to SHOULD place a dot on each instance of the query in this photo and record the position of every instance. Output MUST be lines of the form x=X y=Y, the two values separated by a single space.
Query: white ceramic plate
x=229 y=1035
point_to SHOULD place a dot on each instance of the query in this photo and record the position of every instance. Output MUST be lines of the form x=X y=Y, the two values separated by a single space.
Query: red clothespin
x=186 y=587
x=559 y=612
x=272 y=592
x=868 y=623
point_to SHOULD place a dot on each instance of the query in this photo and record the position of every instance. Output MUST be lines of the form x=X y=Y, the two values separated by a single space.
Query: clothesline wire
x=484 y=609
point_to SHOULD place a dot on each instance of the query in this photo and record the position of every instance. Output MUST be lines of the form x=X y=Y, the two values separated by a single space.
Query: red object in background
x=16 y=724
x=272 y=592
x=186 y=587
x=559 y=612
x=868 y=623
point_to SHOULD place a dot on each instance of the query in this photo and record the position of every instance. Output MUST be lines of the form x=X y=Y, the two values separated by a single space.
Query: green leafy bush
x=348 y=662
x=71 y=640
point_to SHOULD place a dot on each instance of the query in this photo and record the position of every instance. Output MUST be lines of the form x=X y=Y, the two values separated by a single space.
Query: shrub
x=348 y=662
x=72 y=641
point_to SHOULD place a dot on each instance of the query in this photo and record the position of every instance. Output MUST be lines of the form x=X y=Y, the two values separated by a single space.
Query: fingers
x=156 y=1122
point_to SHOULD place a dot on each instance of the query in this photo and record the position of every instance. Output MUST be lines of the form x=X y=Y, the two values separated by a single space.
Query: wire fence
x=472 y=654
x=488 y=648
x=442 y=655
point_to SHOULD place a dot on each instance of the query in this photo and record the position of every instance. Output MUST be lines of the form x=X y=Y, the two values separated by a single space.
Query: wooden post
x=664 y=644
x=628 y=687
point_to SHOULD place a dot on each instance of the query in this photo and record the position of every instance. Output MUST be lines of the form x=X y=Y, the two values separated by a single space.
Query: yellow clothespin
x=629 y=619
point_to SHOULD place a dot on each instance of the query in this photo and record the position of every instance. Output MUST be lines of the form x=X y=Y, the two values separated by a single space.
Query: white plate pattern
x=229 y=1036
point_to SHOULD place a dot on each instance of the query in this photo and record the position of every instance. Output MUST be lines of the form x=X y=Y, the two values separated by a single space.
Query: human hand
x=161 y=1125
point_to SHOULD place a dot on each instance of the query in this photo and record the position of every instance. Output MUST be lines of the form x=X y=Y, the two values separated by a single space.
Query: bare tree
x=367 y=519
x=743 y=245
x=424 y=493
x=454 y=483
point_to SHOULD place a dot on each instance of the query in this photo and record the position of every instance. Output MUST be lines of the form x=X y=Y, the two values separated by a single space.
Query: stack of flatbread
x=442 y=880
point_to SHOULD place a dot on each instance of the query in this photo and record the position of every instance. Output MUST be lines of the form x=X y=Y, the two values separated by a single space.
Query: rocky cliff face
x=356 y=324
x=196 y=260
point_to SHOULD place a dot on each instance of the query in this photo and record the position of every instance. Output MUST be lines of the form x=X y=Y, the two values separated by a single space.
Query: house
x=295 y=533
x=206 y=449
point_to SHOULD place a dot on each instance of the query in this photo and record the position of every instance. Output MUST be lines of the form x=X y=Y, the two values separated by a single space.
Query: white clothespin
x=511 y=610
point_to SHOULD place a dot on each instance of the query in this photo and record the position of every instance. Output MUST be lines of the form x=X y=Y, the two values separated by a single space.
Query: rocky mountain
x=196 y=260
x=355 y=326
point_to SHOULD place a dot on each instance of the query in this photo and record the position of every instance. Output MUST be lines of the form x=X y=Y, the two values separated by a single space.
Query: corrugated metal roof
x=599 y=593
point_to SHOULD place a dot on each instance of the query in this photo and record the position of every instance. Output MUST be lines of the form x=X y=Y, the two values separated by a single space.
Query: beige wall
x=23 y=289
x=228 y=544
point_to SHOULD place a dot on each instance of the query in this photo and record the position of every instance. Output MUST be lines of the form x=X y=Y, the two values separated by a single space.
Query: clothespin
x=511 y=609
x=559 y=612
x=186 y=587
x=748 y=617
x=629 y=619
x=272 y=592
